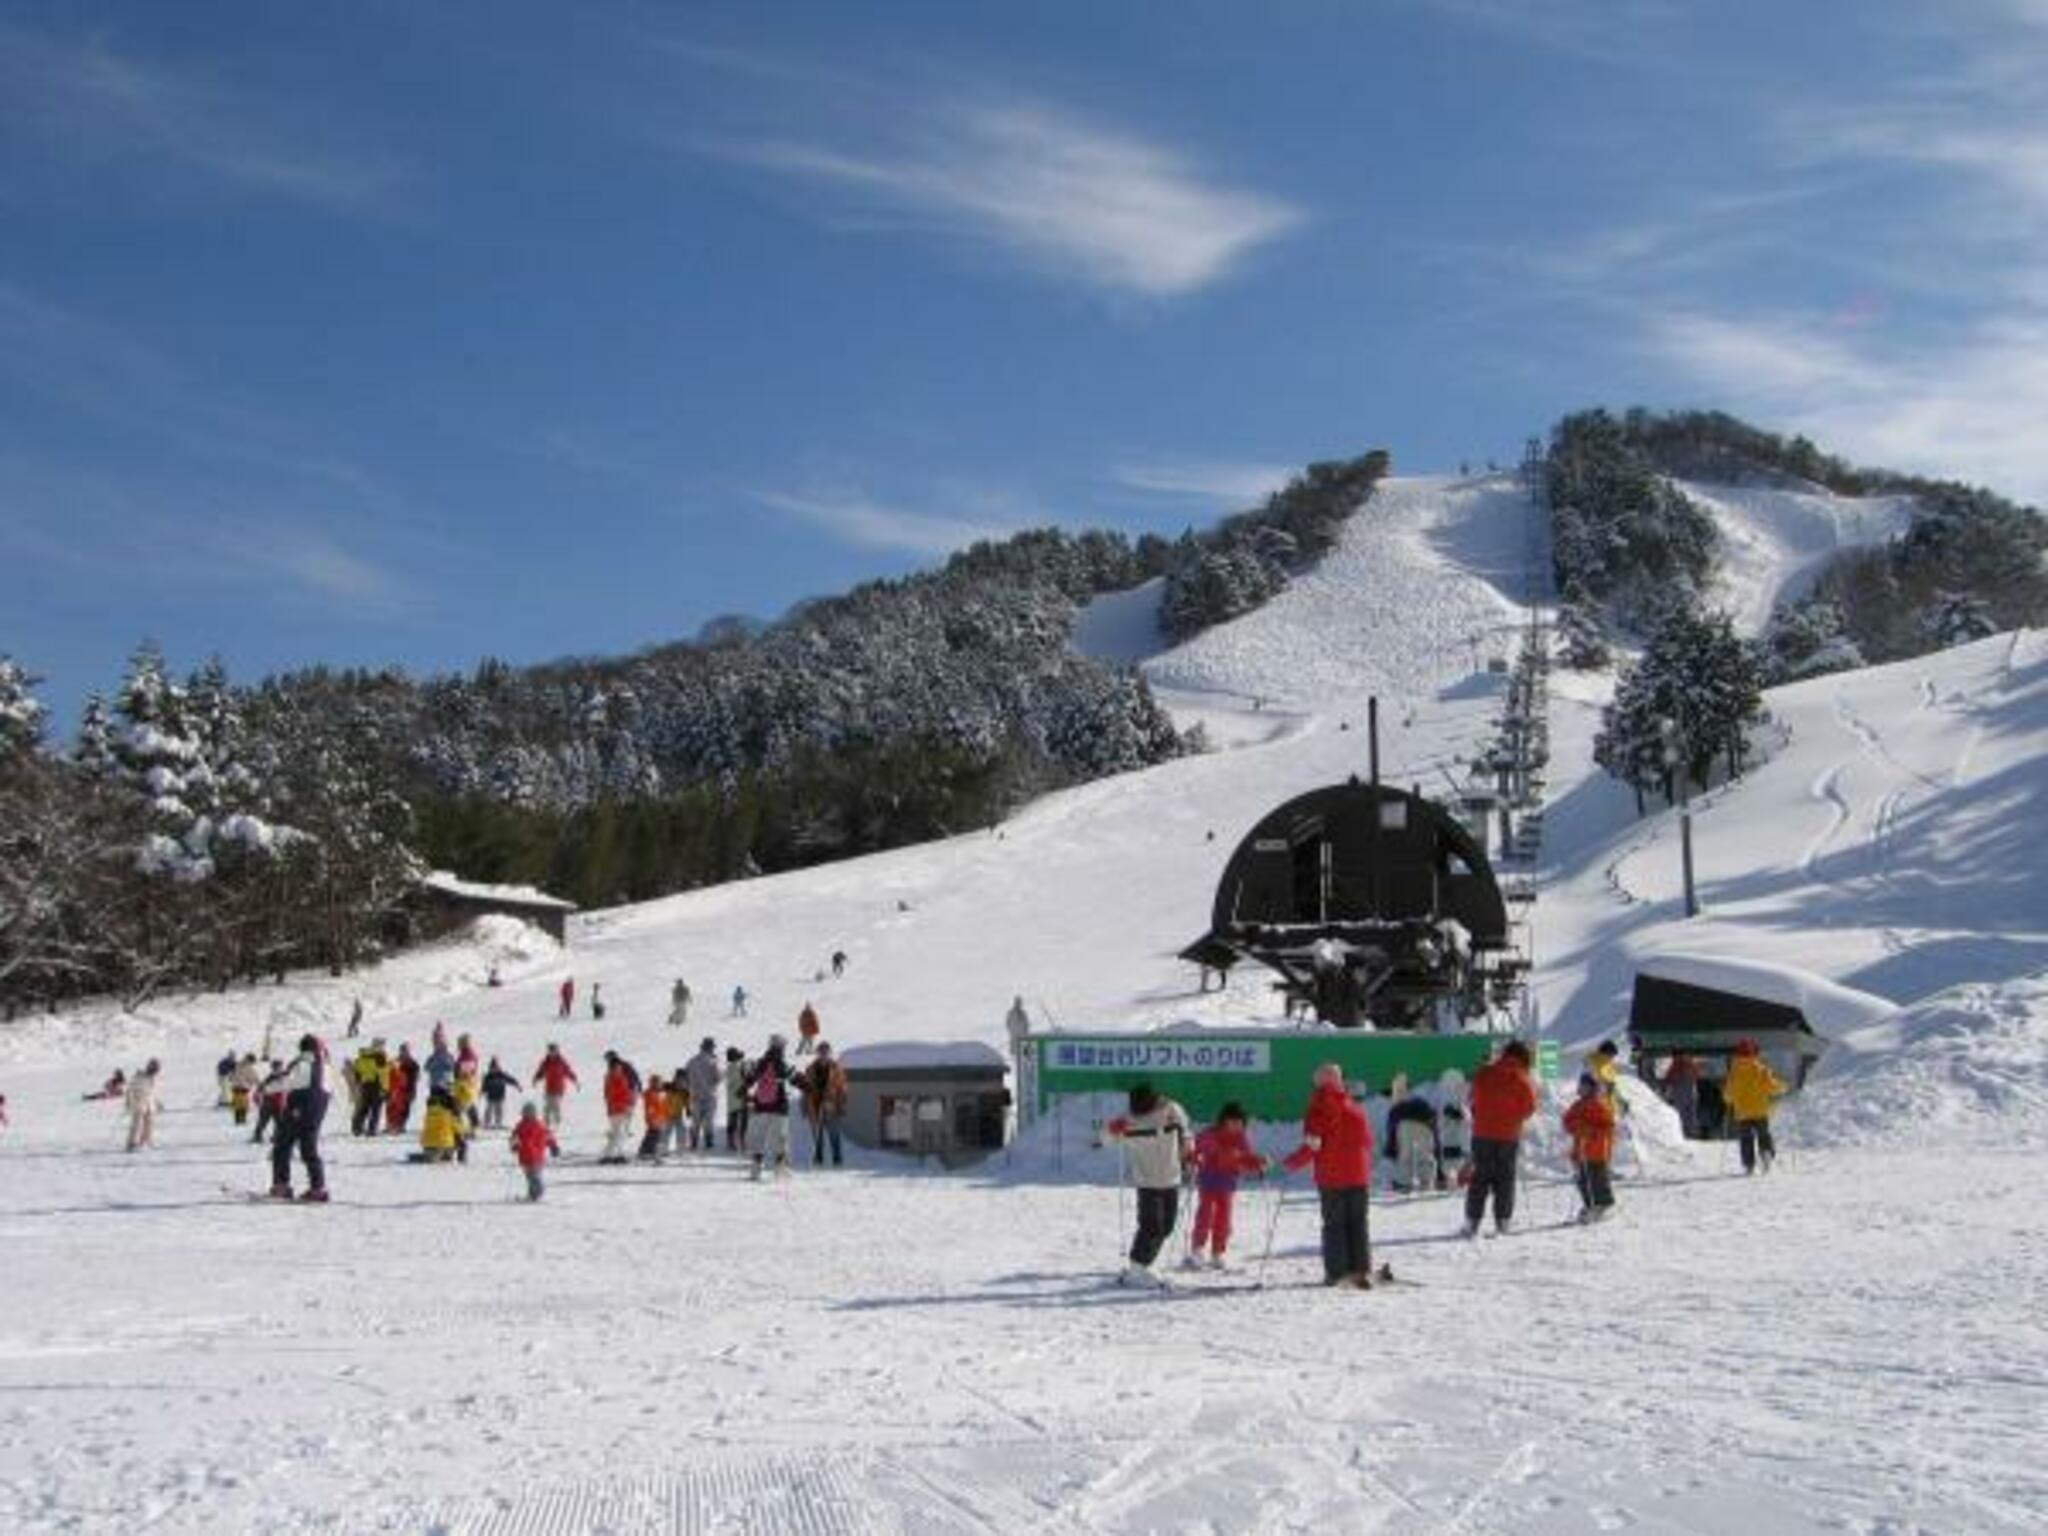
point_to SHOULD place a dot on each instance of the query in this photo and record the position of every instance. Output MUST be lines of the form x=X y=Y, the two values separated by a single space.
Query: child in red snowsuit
x=1223 y=1154
x=532 y=1141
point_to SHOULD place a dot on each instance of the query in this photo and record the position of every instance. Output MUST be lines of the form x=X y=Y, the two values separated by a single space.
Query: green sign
x=1269 y=1072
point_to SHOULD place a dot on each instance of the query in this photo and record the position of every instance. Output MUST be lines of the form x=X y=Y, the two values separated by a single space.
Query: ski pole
x=1123 y=1169
x=1272 y=1227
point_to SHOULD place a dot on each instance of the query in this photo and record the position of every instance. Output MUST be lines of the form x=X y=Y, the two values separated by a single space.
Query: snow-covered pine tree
x=93 y=750
x=21 y=713
x=1957 y=618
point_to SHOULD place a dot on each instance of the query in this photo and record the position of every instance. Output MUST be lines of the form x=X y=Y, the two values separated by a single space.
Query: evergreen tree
x=21 y=714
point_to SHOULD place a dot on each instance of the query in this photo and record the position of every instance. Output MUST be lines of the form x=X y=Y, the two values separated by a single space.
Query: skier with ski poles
x=1223 y=1154
x=1155 y=1138
x=1337 y=1137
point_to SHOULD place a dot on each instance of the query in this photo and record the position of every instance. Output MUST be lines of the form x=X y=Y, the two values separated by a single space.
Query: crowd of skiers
x=461 y=1094
x=1445 y=1138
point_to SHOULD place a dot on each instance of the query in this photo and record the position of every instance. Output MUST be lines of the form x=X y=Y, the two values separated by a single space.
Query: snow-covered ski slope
x=1849 y=1345
x=1775 y=539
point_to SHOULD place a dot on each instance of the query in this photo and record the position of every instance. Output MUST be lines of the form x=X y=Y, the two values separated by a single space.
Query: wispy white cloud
x=1071 y=198
x=86 y=102
x=1614 y=31
x=857 y=519
x=57 y=515
x=323 y=567
x=1964 y=397
x=1235 y=482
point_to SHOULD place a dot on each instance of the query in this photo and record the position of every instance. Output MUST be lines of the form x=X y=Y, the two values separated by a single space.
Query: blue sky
x=417 y=332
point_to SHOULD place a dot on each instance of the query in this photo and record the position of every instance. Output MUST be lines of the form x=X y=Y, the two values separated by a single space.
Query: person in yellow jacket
x=443 y=1134
x=1748 y=1092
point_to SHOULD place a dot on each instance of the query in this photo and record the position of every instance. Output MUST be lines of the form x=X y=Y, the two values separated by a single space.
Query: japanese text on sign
x=1160 y=1056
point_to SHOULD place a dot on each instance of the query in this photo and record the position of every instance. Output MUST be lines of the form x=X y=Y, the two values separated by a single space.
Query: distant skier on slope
x=1337 y=1137
x=1155 y=1137
x=1590 y=1124
x=1503 y=1099
x=567 y=994
x=298 y=1127
x=1749 y=1090
x=679 y=1003
x=1223 y=1154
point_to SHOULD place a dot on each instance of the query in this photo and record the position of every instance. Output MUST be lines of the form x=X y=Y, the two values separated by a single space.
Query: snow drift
x=1968 y=1066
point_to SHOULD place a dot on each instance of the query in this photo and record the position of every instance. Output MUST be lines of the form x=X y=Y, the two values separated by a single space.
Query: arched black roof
x=1360 y=852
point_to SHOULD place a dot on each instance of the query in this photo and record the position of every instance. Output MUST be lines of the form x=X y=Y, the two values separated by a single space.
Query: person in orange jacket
x=532 y=1143
x=1337 y=1137
x=1503 y=1099
x=1590 y=1124
x=657 y=1109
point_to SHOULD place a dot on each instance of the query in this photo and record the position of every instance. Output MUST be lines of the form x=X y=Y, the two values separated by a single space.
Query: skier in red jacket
x=1503 y=1099
x=532 y=1141
x=554 y=1077
x=1223 y=1154
x=1337 y=1137
x=621 y=1097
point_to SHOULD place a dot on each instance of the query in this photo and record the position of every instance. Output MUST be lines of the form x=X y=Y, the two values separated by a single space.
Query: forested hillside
x=1629 y=546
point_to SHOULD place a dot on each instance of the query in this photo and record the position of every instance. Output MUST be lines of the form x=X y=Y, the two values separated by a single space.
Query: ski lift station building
x=945 y=1100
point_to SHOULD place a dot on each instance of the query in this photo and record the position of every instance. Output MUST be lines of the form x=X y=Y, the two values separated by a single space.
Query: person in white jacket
x=141 y=1103
x=1157 y=1141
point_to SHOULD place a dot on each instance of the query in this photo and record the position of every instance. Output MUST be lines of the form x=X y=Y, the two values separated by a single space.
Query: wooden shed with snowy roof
x=444 y=902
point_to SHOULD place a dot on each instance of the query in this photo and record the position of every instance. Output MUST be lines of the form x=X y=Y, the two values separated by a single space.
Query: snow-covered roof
x=1828 y=1006
x=897 y=1055
x=512 y=895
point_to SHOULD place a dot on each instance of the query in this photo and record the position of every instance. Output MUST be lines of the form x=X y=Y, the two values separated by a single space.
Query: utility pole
x=1674 y=759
